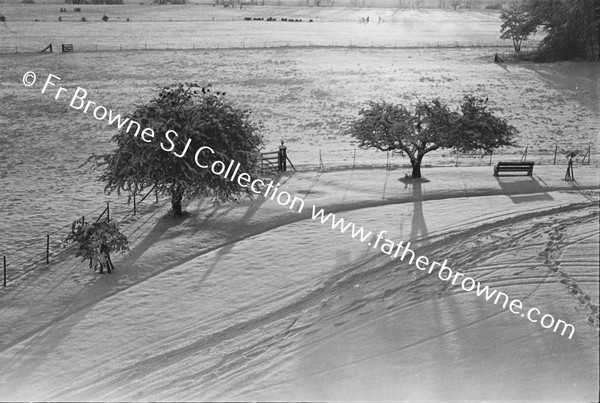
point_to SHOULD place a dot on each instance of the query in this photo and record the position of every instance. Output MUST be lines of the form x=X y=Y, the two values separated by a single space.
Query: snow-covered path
x=303 y=312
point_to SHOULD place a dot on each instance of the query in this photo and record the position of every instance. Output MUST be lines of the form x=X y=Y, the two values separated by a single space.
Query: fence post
x=281 y=157
x=588 y=154
x=134 y=204
x=5 y=271
x=321 y=166
x=524 y=156
x=555 y=151
x=156 y=192
x=83 y=220
x=47 y=248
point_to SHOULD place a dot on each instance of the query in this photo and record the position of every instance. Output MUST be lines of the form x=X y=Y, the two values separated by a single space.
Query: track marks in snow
x=552 y=258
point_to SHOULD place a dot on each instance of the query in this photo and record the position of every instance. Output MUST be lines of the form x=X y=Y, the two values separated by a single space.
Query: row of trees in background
x=572 y=27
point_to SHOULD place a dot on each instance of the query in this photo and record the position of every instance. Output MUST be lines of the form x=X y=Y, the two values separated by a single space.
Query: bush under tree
x=430 y=126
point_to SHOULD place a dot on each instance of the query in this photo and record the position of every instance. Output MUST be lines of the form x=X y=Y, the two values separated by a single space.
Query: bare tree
x=515 y=25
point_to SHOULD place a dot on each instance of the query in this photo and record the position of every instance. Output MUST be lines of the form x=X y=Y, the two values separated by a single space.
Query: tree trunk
x=416 y=165
x=176 y=198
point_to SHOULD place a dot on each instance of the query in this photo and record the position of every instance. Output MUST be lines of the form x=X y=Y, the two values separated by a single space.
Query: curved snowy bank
x=303 y=312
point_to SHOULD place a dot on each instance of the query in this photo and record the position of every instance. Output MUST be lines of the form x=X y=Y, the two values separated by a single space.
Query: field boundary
x=283 y=45
x=361 y=158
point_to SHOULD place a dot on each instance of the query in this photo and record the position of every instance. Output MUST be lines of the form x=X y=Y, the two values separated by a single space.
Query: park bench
x=514 y=167
x=67 y=47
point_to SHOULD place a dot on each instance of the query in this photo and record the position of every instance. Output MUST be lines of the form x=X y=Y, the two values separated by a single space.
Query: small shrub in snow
x=96 y=241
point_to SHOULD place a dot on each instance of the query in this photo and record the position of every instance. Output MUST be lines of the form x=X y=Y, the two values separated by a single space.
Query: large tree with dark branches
x=430 y=126
x=571 y=28
x=184 y=118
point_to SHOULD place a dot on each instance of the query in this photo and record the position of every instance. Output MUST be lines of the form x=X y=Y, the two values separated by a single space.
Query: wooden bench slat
x=503 y=166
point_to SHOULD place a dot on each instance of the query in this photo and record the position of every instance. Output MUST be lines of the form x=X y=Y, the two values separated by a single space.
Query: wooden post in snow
x=282 y=158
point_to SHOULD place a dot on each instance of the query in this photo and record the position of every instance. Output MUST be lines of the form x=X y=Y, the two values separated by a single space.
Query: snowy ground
x=261 y=319
x=304 y=96
x=256 y=302
x=30 y=28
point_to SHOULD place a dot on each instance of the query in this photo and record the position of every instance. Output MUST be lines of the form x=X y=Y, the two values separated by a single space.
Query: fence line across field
x=480 y=158
x=247 y=44
x=49 y=252
x=268 y=160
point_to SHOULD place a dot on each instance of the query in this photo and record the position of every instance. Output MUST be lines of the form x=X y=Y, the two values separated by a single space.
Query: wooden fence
x=276 y=160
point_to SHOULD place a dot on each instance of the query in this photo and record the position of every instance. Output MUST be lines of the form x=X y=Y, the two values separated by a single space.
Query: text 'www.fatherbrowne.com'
x=444 y=273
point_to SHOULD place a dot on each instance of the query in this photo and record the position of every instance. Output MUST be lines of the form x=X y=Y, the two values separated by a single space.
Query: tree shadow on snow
x=418 y=228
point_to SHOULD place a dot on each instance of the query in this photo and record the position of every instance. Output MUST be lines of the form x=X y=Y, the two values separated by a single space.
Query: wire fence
x=357 y=158
x=48 y=248
x=256 y=44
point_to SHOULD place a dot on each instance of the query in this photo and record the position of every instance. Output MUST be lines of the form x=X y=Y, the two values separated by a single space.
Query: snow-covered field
x=255 y=302
x=261 y=319
x=176 y=27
